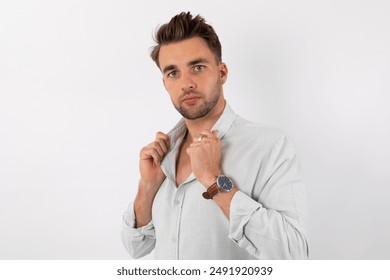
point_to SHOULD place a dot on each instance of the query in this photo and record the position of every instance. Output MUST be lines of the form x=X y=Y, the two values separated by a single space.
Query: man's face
x=192 y=77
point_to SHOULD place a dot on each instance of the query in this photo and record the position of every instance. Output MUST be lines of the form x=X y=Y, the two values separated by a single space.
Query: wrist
x=150 y=184
x=207 y=182
x=208 y=179
x=221 y=184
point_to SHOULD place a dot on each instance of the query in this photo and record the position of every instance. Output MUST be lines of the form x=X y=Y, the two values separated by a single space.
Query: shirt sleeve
x=138 y=241
x=273 y=226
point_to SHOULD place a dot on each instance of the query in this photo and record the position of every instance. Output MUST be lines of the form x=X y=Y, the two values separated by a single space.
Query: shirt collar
x=223 y=124
x=178 y=132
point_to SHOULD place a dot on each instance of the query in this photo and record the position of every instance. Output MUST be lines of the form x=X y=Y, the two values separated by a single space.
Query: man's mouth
x=191 y=100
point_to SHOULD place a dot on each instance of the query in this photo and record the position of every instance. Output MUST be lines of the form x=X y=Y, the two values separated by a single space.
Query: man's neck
x=207 y=122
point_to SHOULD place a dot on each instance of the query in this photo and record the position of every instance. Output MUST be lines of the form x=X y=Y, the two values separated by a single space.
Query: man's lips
x=191 y=100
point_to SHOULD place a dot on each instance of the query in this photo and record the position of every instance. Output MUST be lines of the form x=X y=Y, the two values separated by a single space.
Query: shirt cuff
x=129 y=222
x=242 y=208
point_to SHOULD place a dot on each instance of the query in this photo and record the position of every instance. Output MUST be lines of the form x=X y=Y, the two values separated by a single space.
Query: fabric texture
x=268 y=215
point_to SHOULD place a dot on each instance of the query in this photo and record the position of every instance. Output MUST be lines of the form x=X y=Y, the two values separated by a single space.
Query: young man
x=216 y=186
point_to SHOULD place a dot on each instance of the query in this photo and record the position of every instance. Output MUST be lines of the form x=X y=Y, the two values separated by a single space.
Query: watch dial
x=224 y=183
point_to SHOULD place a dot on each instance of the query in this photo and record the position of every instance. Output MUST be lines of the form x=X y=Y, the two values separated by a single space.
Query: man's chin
x=192 y=114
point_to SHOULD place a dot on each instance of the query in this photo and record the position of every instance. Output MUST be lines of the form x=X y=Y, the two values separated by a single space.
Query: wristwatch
x=222 y=184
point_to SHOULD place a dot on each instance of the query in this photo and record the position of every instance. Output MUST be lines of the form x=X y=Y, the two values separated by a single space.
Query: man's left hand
x=205 y=156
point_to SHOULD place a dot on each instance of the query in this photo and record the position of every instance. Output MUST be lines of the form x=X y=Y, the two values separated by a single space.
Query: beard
x=197 y=112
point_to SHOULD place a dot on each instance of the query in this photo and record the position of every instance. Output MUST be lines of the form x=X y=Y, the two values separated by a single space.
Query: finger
x=157 y=158
x=197 y=144
x=198 y=138
x=145 y=153
x=163 y=136
x=157 y=146
x=209 y=134
x=189 y=150
x=154 y=151
x=193 y=147
x=161 y=145
x=149 y=153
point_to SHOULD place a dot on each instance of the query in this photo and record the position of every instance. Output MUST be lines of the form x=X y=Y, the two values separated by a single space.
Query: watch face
x=224 y=183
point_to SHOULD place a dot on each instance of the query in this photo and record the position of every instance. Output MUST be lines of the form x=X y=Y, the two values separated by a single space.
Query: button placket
x=177 y=209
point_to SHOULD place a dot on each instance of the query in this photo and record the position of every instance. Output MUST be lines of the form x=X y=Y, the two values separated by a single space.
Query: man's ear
x=223 y=72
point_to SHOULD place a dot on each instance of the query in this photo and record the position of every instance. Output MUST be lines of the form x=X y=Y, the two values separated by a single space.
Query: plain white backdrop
x=79 y=97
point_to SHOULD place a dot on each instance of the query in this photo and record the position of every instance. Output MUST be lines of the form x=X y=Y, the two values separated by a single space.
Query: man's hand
x=152 y=177
x=205 y=155
x=151 y=157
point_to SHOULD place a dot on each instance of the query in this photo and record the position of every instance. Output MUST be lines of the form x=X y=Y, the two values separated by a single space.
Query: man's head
x=189 y=56
x=184 y=26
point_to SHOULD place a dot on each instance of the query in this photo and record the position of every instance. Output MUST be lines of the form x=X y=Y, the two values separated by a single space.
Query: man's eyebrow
x=197 y=61
x=192 y=62
x=169 y=68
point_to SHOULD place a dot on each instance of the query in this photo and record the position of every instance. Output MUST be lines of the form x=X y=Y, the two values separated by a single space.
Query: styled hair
x=184 y=26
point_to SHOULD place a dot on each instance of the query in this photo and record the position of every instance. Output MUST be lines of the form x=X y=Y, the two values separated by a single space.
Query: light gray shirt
x=268 y=215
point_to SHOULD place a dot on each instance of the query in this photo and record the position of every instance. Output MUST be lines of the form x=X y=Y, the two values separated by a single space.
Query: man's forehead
x=183 y=52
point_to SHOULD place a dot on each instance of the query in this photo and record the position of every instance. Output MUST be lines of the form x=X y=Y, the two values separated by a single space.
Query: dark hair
x=185 y=26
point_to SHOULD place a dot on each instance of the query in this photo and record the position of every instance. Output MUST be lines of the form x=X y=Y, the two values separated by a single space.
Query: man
x=216 y=186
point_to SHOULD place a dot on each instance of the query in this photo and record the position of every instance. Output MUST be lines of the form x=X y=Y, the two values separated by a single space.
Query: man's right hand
x=151 y=157
x=152 y=177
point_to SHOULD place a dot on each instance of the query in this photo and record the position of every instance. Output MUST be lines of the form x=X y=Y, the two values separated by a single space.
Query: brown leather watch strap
x=211 y=191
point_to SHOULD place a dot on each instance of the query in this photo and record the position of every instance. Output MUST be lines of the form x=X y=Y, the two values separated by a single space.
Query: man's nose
x=188 y=83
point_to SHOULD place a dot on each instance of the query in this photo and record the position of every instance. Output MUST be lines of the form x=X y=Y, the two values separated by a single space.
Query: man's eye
x=199 y=67
x=172 y=74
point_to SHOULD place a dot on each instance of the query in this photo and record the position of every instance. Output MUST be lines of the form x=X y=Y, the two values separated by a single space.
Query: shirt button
x=177 y=202
x=174 y=239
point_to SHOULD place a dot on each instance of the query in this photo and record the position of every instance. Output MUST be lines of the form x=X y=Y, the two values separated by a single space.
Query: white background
x=79 y=97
